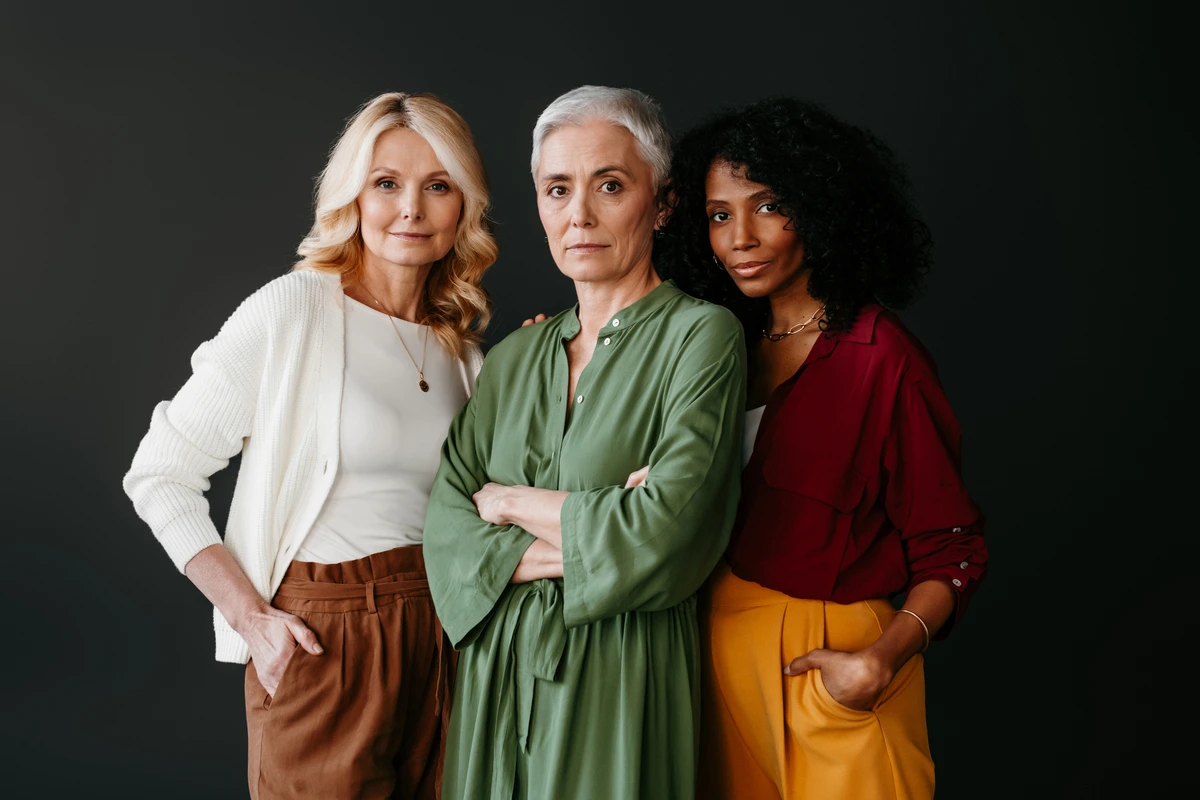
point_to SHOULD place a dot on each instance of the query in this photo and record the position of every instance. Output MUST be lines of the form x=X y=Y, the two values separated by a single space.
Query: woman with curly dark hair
x=851 y=494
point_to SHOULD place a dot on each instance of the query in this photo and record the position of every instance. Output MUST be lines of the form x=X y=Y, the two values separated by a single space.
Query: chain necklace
x=392 y=318
x=775 y=337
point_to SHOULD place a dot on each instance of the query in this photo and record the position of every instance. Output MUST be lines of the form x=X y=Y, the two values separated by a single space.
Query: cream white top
x=753 y=419
x=391 y=438
x=268 y=386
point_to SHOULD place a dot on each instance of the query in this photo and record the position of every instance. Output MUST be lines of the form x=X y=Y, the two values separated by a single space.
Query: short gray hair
x=635 y=111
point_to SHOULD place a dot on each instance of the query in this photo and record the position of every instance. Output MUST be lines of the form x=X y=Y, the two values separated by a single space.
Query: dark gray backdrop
x=159 y=165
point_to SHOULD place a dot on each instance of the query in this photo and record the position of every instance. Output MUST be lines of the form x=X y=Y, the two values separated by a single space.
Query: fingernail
x=320 y=649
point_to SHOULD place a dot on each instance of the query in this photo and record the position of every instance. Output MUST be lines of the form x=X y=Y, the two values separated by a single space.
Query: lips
x=408 y=236
x=749 y=269
x=584 y=249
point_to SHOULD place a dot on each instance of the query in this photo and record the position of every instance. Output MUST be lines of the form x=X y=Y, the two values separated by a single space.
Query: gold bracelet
x=924 y=627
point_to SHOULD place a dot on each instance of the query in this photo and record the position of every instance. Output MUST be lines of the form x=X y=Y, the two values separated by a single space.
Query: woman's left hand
x=489 y=502
x=856 y=680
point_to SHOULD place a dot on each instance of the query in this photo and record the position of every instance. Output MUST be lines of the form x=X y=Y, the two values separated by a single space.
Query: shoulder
x=293 y=299
x=704 y=325
x=297 y=290
x=893 y=342
x=524 y=341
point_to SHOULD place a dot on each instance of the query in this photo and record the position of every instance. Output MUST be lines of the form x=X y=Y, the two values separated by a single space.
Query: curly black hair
x=843 y=190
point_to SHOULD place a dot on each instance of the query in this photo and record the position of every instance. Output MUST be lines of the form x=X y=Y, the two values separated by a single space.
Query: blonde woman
x=337 y=383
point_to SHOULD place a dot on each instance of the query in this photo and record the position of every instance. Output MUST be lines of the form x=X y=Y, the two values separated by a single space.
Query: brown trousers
x=368 y=717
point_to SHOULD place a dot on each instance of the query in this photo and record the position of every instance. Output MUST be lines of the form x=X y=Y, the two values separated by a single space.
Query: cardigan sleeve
x=473 y=363
x=195 y=434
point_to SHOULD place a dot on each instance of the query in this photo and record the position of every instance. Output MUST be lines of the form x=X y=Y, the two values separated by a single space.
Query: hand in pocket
x=855 y=680
x=273 y=637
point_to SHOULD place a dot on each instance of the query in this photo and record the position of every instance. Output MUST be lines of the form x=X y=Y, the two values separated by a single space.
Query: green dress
x=587 y=686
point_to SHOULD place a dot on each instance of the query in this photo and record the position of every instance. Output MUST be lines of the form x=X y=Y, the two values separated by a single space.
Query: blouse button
x=956 y=582
x=956 y=530
x=616 y=323
x=963 y=565
x=607 y=340
x=579 y=399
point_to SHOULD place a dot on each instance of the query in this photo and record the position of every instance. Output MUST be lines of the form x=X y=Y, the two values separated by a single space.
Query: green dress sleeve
x=469 y=562
x=651 y=547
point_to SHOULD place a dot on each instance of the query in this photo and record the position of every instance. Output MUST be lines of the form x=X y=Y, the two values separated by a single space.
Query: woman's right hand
x=534 y=321
x=273 y=636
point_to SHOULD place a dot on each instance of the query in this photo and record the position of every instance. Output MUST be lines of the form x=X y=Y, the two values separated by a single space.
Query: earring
x=717 y=261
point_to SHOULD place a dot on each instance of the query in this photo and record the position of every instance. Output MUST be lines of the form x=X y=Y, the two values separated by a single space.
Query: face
x=597 y=202
x=749 y=233
x=409 y=209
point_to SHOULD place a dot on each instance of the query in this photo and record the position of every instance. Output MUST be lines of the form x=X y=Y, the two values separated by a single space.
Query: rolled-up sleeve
x=940 y=525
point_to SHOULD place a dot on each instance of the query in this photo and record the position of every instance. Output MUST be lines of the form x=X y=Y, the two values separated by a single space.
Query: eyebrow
x=560 y=176
x=759 y=195
x=441 y=173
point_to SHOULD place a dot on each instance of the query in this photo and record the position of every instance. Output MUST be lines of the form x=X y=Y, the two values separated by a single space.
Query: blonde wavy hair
x=454 y=304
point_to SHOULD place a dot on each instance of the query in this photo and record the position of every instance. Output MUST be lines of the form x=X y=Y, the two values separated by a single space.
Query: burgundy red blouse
x=854 y=488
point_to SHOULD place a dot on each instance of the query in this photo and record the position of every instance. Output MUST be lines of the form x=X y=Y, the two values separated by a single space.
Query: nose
x=582 y=215
x=412 y=205
x=744 y=237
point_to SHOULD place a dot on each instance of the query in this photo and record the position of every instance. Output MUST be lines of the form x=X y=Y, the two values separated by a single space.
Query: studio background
x=159 y=165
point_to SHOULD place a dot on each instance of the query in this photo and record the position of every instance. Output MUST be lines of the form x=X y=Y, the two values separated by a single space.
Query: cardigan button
x=957 y=582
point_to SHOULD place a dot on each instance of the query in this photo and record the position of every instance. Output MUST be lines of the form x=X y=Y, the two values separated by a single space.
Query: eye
x=610 y=187
x=769 y=208
x=557 y=190
x=440 y=187
x=719 y=216
x=385 y=183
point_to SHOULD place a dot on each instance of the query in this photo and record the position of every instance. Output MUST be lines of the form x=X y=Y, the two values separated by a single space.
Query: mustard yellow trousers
x=768 y=735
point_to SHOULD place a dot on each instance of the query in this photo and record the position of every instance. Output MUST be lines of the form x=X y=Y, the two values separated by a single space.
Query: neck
x=791 y=304
x=599 y=300
x=396 y=287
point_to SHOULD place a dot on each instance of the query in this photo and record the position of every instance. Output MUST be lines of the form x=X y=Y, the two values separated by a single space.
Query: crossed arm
x=537 y=511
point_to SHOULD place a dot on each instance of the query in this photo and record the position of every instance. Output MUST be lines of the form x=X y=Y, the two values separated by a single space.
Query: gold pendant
x=424 y=386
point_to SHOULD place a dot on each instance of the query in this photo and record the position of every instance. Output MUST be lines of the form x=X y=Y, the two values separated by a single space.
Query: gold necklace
x=392 y=318
x=775 y=337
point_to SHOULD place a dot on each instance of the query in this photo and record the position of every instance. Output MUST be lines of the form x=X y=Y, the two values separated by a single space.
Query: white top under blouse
x=391 y=438
x=753 y=419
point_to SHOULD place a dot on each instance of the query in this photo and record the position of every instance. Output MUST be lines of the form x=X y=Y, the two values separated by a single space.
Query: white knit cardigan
x=268 y=385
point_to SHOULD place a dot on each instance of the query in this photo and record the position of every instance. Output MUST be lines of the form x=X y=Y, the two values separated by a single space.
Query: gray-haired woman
x=567 y=580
